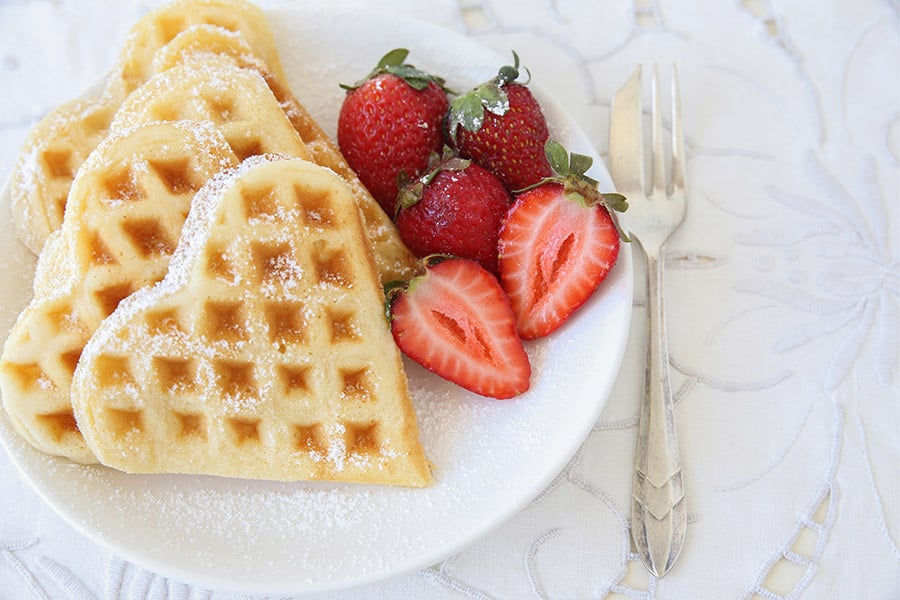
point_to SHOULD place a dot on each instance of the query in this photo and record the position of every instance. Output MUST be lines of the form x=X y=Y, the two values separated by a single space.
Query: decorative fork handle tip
x=658 y=541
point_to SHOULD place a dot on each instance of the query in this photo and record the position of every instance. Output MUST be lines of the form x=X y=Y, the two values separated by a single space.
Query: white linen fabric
x=782 y=297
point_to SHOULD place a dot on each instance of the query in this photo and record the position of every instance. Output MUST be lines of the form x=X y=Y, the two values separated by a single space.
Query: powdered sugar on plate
x=491 y=457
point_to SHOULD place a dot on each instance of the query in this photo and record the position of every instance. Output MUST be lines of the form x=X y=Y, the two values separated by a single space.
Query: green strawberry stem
x=394 y=63
x=570 y=170
x=468 y=110
x=411 y=191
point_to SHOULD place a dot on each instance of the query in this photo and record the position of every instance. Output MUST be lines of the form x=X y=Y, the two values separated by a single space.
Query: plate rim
x=624 y=267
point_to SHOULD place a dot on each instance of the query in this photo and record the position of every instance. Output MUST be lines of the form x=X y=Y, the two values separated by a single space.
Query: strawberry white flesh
x=456 y=321
x=554 y=252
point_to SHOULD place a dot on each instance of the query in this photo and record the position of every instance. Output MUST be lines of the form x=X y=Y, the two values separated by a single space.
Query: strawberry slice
x=557 y=245
x=455 y=321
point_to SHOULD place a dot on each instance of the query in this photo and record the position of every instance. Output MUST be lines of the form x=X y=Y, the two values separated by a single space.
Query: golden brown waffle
x=210 y=43
x=57 y=146
x=264 y=353
x=41 y=178
x=237 y=100
x=159 y=27
x=126 y=209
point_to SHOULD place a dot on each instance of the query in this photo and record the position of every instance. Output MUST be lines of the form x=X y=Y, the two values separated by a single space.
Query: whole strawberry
x=558 y=244
x=500 y=125
x=456 y=208
x=455 y=321
x=390 y=123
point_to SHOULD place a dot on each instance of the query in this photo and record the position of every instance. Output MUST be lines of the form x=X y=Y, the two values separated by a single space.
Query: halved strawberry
x=558 y=243
x=456 y=322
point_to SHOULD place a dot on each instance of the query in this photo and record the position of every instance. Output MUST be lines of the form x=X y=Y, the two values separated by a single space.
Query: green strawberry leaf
x=415 y=78
x=410 y=195
x=579 y=164
x=493 y=98
x=411 y=192
x=557 y=157
x=394 y=63
x=467 y=111
x=394 y=58
x=615 y=201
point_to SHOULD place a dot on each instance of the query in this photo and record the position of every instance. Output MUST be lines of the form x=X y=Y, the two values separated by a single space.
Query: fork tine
x=678 y=167
x=658 y=182
x=626 y=149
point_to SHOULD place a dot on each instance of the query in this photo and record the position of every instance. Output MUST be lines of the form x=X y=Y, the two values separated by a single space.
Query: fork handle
x=658 y=510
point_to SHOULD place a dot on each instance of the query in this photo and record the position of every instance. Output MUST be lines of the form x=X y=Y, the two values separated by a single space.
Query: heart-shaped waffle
x=234 y=89
x=61 y=141
x=126 y=209
x=264 y=353
x=209 y=43
x=236 y=100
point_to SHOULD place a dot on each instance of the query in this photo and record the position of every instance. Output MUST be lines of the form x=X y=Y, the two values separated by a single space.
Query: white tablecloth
x=782 y=291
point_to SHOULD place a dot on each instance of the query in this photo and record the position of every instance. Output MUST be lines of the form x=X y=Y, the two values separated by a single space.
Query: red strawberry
x=456 y=321
x=500 y=125
x=558 y=243
x=390 y=123
x=457 y=208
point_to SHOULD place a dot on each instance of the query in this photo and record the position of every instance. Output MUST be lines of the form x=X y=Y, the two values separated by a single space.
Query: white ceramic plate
x=492 y=457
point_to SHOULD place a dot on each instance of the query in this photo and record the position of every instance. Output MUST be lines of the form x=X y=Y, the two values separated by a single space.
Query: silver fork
x=658 y=508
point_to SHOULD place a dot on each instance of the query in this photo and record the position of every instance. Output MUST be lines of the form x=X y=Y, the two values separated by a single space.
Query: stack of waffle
x=208 y=291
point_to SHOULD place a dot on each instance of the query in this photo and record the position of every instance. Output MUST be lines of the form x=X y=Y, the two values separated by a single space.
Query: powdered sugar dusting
x=213 y=517
x=263 y=534
x=337 y=448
